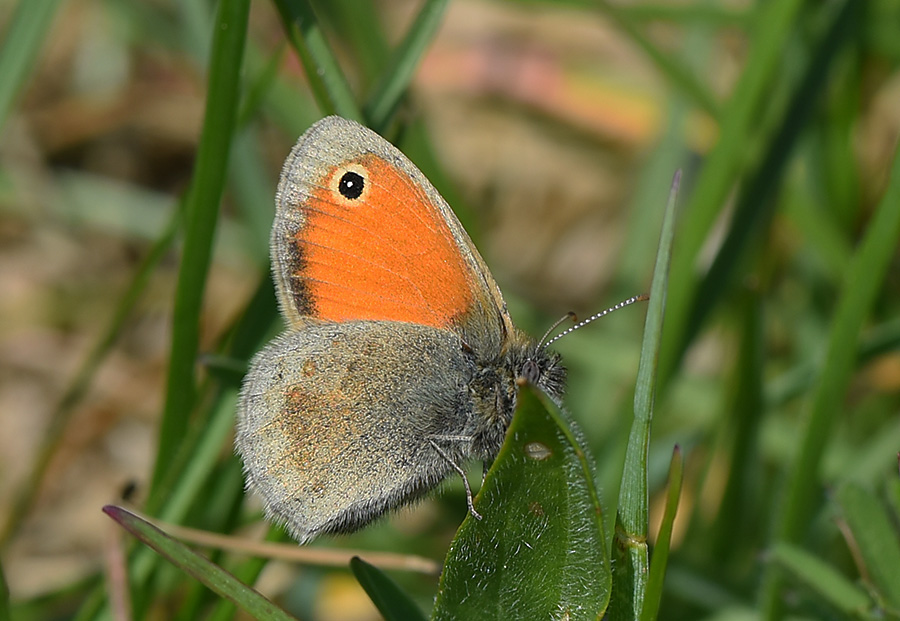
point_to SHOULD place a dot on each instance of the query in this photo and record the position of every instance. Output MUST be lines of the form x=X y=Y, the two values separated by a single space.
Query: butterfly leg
x=461 y=473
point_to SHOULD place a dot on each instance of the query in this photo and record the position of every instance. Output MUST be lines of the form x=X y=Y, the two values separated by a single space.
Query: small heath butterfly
x=399 y=361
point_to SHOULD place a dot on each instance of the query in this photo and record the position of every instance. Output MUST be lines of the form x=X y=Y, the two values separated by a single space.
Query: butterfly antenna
x=638 y=298
x=564 y=318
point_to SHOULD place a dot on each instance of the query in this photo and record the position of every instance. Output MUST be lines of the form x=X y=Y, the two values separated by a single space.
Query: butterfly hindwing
x=336 y=420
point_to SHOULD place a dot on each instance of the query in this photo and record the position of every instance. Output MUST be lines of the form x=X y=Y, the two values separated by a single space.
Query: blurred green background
x=554 y=129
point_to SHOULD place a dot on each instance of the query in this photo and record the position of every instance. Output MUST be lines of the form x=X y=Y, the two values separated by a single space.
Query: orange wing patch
x=382 y=251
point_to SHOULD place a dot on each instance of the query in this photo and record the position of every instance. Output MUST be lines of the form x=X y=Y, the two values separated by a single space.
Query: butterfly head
x=533 y=361
x=542 y=368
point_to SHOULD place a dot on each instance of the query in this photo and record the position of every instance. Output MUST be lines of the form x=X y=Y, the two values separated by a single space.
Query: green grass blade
x=198 y=456
x=251 y=182
x=202 y=210
x=22 y=42
x=631 y=563
x=399 y=73
x=841 y=183
x=822 y=578
x=289 y=105
x=360 y=25
x=5 y=614
x=539 y=551
x=200 y=452
x=194 y=462
x=265 y=77
x=745 y=407
x=826 y=236
x=80 y=384
x=391 y=601
x=218 y=506
x=252 y=188
x=876 y=539
x=661 y=550
x=863 y=283
x=213 y=576
x=893 y=496
x=247 y=572
x=638 y=250
x=327 y=81
x=723 y=165
x=756 y=206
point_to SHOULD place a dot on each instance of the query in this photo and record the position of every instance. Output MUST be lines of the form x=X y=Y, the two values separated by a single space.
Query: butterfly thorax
x=494 y=389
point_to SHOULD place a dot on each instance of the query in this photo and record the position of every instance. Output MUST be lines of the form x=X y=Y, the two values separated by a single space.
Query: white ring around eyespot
x=334 y=183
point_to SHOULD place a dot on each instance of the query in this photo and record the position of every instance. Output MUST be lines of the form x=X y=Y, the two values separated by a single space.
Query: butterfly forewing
x=360 y=233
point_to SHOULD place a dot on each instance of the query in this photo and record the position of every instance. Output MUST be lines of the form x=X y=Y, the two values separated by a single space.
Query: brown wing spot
x=295 y=398
x=299 y=291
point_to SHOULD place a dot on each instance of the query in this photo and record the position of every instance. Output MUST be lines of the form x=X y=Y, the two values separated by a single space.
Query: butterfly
x=399 y=361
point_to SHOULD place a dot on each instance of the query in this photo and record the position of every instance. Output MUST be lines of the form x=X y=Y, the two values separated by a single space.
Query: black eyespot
x=351 y=185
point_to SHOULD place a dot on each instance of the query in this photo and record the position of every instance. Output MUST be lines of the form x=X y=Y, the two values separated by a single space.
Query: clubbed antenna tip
x=638 y=298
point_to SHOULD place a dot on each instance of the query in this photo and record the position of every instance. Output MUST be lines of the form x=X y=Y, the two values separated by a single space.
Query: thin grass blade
x=630 y=555
x=360 y=24
x=723 y=165
x=391 y=601
x=822 y=578
x=756 y=205
x=22 y=41
x=862 y=285
x=5 y=613
x=202 y=211
x=876 y=540
x=660 y=557
x=327 y=81
x=395 y=79
x=210 y=574
x=80 y=384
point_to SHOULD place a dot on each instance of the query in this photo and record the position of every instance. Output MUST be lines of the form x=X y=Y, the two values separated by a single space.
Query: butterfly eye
x=351 y=185
x=531 y=372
